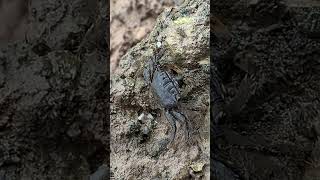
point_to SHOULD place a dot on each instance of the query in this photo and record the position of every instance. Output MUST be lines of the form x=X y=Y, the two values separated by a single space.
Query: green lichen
x=183 y=20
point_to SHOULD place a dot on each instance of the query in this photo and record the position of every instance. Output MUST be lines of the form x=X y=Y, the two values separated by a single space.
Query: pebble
x=141 y=117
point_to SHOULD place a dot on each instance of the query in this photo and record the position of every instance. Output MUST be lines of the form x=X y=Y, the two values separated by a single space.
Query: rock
x=141 y=117
x=183 y=32
x=131 y=21
x=197 y=167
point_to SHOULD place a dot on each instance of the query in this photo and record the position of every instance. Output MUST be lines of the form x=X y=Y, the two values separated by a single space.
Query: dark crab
x=166 y=88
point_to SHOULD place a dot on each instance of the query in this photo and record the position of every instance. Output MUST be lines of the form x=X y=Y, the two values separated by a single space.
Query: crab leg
x=172 y=122
x=182 y=118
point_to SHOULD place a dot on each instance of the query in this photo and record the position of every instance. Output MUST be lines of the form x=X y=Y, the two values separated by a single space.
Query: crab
x=167 y=91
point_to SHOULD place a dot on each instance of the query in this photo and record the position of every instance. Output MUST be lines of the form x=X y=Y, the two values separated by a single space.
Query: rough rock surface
x=138 y=124
x=53 y=99
x=270 y=73
x=130 y=22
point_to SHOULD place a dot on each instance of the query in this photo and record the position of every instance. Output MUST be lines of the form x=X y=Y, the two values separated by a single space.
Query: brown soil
x=130 y=21
x=13 y=18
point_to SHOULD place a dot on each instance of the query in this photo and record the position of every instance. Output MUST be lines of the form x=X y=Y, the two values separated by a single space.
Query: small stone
x=197 y=167
x=158 y=44
x=204 y=62
x=141 y=117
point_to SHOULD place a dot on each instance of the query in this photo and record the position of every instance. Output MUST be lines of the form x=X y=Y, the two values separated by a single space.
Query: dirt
x=13 y=28
x=270 y=74
x=53 y=85
x=139 y=128
x=130 y=22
